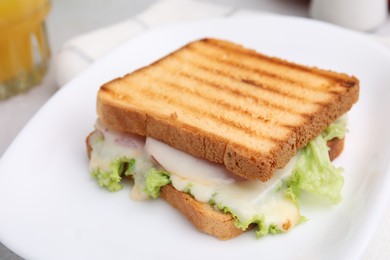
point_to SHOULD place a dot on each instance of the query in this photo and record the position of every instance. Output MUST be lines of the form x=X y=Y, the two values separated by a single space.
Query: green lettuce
x=293 y=188
x=237 y=222
x=336 y=130
x=273 y=229
x=262 y=228
x=155 y=179
x=225 y=209
x=315 y=173
x=111 y=179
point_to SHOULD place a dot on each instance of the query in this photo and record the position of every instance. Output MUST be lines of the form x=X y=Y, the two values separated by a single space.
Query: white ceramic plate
x=52 y=209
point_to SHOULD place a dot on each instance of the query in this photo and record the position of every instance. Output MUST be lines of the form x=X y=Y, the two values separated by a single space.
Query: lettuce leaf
x=111 y=179
x=336 y=130
x=293 y=187
x=273 y=229
x=155 y=179
x=262 y=228
x=315 y=173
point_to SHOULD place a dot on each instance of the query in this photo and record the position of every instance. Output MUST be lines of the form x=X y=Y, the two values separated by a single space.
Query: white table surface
x=69 y=18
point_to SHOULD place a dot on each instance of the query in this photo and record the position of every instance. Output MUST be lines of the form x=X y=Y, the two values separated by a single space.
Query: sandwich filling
x=272 y=205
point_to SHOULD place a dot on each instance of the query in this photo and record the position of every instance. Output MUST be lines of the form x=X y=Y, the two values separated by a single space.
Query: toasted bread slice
x=231 y=105
x=203 y=216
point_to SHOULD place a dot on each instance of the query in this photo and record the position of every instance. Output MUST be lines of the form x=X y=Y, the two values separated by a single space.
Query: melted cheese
x=108 y=145
x=206 y=181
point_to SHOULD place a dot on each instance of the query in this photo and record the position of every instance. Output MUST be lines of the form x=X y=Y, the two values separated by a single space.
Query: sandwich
x=228 y=136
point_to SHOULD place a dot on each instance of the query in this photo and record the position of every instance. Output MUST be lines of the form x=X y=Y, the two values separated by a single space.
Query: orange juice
x=24 y=50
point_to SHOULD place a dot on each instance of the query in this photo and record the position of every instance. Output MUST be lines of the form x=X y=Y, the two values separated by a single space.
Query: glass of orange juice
x=24 y=49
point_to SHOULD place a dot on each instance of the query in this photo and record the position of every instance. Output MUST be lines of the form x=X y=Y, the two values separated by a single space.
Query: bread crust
x=336 y=147
x=119 y=107
x=203 y=216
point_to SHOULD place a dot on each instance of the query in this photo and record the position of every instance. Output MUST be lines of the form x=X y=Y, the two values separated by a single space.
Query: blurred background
x=69 y=18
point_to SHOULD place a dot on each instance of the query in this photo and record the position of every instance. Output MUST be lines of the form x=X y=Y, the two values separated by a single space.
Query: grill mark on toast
x=240 y=93
x=346 y=83
x=259 y=100
x=105 y=88
x=261 y=72
x=251 y=53
x=235 y=93
x=264 y=87
x=185 y=106
x=225 y=105
x=286 y=94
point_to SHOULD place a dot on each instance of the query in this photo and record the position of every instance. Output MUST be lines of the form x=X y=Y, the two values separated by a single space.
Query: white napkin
x=78 y=53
